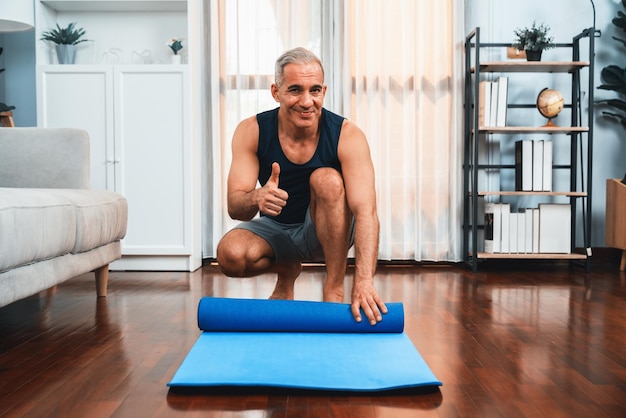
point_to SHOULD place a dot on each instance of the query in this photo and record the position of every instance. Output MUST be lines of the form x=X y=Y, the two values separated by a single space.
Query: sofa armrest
x=44 y=158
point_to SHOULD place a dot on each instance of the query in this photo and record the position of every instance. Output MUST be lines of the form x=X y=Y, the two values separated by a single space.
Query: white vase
x=176 y=59
x=66 y=54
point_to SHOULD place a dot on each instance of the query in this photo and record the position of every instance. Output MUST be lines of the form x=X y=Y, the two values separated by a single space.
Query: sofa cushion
x=101 y=217
x=35 y=224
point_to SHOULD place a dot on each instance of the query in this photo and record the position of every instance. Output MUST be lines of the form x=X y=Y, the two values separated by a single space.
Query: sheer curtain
x=402 y=86
x=393 y=67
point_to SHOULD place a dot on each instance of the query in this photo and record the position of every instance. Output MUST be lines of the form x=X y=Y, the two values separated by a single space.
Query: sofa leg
x=102 y=279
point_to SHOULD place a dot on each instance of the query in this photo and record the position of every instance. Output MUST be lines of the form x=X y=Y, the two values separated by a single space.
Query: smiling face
x=301 y=94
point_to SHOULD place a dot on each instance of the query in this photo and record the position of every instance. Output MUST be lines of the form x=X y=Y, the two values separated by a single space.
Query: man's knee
x=327 y=183
x=231 y=256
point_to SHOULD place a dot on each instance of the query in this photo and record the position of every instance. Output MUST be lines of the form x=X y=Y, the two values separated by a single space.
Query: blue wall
x=19 y=77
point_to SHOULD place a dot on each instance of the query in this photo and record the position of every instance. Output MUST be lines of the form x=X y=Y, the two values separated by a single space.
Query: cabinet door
x=81 y=97
x=152 y=135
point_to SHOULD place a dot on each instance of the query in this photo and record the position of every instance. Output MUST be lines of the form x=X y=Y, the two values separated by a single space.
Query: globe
x=549 y=103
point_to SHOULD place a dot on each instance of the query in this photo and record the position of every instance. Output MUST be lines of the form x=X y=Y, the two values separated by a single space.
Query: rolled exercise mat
x=258 y=315
x=300 y=344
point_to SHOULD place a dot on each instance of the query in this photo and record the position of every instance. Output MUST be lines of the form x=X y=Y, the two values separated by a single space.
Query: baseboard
x=600 y=256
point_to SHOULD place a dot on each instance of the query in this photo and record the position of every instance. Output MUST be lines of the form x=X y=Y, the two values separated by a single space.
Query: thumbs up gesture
x=272 y=198
x=275 y=173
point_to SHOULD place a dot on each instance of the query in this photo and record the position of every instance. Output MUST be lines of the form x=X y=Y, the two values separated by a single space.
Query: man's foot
x=287 y=276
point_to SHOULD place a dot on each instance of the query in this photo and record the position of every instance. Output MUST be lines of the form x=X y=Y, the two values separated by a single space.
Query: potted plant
x=175 y=45
x=66 y=40
x=614 y=78
x=533 y=40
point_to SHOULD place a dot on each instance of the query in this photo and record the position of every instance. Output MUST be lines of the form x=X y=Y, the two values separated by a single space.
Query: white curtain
x=393 y=67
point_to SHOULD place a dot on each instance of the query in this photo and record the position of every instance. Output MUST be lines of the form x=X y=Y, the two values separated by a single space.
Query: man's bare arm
x=358 y=174
x=245 y=200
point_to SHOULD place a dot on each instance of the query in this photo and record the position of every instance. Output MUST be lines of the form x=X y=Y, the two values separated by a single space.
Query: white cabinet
x=152 y=136
x=81 y=96
x=138 y=119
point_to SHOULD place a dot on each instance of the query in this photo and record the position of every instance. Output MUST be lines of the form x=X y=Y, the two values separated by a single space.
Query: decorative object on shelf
x=175 y=45
x=533 y=40
x=66 y=40
x=143 y=57
x=614 y=77
x=550 y=103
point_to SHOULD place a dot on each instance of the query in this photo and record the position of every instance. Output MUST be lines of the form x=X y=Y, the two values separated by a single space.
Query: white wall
x=498 y=19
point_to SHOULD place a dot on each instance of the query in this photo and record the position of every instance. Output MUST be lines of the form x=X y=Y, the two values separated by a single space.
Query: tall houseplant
x=66 y=40
x=533 y=40
x=614 y=77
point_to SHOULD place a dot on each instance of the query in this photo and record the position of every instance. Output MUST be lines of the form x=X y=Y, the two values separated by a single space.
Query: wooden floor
x=534 y=341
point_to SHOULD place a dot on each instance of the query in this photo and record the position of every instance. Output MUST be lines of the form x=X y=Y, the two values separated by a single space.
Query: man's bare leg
x=287 y=275
x=332 y=218
x=242 y=253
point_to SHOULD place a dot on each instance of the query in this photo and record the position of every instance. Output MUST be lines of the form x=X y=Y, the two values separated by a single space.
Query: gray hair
x=294 y=56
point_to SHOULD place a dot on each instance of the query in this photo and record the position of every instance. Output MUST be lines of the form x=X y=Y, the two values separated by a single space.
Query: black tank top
x=294 y=178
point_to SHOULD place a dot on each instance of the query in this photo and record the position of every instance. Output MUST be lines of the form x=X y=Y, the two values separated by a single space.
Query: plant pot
x=533 y=55
x=176 y=59
x=66 y=54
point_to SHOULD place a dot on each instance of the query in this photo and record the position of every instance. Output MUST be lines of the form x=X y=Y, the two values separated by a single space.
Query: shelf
x=531 y=66
x=511 y=193
x=532 y=129
x=534 y=256
x=117 y=5
x=480 y=145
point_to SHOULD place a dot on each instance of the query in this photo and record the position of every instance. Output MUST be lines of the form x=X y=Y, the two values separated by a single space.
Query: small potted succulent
x=66 y=40
x=533 y=40
x=175 y=45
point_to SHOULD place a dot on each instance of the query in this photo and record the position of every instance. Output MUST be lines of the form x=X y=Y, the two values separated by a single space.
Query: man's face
x=301 y=95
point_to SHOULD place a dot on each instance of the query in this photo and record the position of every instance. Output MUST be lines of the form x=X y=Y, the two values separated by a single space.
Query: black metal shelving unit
x=580 y=137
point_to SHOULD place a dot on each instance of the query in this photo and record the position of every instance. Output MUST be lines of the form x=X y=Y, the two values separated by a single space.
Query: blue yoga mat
x=300 y=344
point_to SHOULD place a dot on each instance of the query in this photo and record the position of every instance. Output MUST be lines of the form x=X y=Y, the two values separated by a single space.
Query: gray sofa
x=52 y=226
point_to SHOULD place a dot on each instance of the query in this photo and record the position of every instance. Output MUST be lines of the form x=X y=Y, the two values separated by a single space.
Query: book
x=524 y=165
x=547 y=166
x=535 y=244
x=555 y=234
x=537 y=166
x=484 y=103
x=528 y=239
x=513 y=231
x=521 y=231
x=497 y=227
x=503 y=91
x=494 y=103
x=505 y=214
x=489 y=209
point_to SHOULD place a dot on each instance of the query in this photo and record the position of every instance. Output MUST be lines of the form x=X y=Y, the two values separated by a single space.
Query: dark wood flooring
x=538 y=340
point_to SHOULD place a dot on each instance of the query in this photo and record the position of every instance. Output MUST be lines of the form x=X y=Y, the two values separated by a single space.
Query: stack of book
x=533 y=165
x=546 y=229
x=492 y=102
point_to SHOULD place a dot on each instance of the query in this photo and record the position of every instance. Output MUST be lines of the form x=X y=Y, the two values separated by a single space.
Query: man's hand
x=365 y=297
x=272 y=199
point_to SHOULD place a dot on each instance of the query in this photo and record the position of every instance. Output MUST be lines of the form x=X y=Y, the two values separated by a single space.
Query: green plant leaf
x=614 y=78
x=64 y=36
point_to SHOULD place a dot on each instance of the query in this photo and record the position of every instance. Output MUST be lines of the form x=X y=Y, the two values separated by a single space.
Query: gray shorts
x=289 y=241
